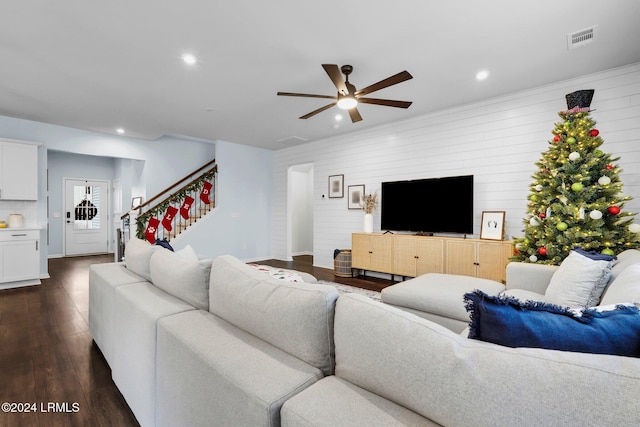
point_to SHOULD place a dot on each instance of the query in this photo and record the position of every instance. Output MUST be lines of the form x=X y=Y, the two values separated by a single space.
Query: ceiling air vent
x=582 y=37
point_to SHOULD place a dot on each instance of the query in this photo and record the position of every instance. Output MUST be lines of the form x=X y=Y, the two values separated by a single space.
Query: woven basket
x=342 y=263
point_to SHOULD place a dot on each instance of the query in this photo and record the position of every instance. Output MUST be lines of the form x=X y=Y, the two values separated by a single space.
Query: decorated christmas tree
x=576 y=198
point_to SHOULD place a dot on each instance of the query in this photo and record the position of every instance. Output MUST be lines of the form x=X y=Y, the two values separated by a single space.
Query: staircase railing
x=177 y=207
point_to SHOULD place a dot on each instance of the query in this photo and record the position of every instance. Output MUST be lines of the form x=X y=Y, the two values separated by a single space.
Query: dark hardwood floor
x=48 y=357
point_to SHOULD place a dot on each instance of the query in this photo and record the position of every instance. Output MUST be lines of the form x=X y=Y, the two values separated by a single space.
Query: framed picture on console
x=336 y=186
x=356 y=192
x=492 y=227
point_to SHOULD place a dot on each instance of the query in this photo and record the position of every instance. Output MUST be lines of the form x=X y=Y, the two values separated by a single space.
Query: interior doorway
x=300 y=211
x=86 y=218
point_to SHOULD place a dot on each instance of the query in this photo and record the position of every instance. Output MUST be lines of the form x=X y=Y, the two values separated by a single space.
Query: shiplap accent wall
x=497 y=140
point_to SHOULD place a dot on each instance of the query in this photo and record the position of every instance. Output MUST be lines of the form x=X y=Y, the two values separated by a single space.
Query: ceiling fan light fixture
x=347 y=102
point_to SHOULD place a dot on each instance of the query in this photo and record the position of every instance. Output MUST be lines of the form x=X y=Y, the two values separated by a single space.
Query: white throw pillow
x=188 y=253
x=182 y=278
x=137 y=256
x=625 y=288
x=579 y=282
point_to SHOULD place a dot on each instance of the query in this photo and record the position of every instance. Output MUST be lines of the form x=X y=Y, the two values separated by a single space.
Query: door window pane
x=87 y=207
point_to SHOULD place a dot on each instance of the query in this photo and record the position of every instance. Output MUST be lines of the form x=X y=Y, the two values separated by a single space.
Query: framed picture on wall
x=492 y=227
x=136 y=202
x=336 y=186
x=356 y=192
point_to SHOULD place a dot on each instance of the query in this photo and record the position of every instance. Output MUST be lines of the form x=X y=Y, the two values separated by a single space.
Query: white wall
x=497 y=140
x=241 y=223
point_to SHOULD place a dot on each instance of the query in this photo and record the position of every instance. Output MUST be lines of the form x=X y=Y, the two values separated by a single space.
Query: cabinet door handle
x=18 y=235
x=36 y=245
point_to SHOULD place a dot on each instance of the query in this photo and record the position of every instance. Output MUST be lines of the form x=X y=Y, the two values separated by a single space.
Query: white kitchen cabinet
x=19 y=257
x=18 y=171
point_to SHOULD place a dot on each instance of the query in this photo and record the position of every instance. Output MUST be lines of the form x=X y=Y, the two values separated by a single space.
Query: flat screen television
x=434 y=205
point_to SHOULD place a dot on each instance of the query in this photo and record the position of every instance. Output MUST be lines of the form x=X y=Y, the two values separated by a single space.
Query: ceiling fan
x=348 y=97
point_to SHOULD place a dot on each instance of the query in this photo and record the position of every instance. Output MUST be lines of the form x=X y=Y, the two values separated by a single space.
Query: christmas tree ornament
x=594 y=132
x=533 y=258
x=571 y=140
x=542 y=251
x=574 y=156
x=609 y=167
x=604 y=180
x=634 y=228
x=538 y=187
x=607 y=251
x=150 y=232
x=598 y=153
x=562 y=226
x=542 y=215
x=613 y=210
x=596 y=214
x=557 y=138
x=534 y=221
x=577 y=187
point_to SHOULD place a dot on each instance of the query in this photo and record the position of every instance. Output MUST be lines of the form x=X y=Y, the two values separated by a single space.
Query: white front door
x=86 y=217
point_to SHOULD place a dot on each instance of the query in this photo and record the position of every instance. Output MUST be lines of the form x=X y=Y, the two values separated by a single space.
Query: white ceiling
x=100 y=65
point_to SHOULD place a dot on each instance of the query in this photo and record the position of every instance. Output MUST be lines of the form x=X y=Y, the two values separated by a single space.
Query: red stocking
x=168 y=217
x=186 y=206
x=150 y=232
x=206 y=189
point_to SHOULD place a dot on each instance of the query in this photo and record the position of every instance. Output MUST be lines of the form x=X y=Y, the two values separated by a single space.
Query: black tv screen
x=434 y=205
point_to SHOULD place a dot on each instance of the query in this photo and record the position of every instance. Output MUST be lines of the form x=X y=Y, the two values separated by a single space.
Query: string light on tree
x=579 y=183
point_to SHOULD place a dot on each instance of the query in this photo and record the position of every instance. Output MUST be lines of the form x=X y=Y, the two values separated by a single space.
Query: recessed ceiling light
x=338 y=117
x=481 y=75
x=120 y=131
x=189 y=59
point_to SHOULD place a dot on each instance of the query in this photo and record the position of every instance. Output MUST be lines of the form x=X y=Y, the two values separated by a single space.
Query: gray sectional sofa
x=260 y=351
x=439 y=297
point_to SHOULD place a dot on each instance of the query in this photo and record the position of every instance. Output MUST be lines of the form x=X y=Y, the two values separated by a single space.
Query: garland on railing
x=177 y=197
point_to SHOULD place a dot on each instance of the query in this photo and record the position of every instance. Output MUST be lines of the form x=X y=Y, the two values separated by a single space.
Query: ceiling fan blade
x=355 y=115
x=336 y=77
x=306 y=95
x=385 y=102
x=319 y=110
x=389 y=81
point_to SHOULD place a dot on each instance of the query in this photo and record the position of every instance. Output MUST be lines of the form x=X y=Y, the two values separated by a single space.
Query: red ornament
x=613 y=210
x=557 y=138
x=542 y=215
x=594 y=132
x=609 y=167
x=542 y=250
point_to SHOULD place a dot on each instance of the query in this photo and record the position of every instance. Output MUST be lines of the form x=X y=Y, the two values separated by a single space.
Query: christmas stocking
x=186 y=206
x=206 y=190
x=168 y=217
x=150 y=232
